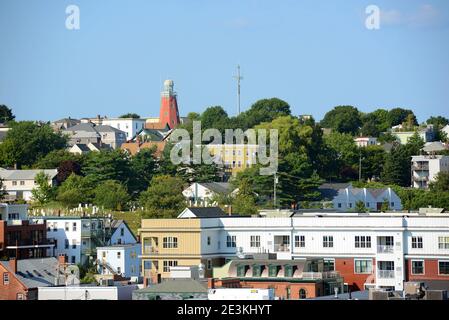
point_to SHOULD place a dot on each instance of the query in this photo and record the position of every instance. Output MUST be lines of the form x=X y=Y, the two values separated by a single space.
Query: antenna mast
x=238 y=78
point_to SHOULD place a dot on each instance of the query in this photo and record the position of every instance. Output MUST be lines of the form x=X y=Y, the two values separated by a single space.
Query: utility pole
x=274 y=189
x=238 y=78
x=360 y=166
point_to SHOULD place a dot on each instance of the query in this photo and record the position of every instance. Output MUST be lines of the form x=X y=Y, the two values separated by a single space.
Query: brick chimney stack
x=13 y=264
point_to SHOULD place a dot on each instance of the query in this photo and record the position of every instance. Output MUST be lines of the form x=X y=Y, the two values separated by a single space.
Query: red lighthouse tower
x=169 y=106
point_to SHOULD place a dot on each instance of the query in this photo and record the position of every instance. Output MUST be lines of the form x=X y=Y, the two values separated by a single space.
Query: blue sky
x=313 y=54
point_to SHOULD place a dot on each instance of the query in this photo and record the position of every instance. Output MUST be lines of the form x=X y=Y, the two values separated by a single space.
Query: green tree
x=44 y=191
x=441 y=183
x=397 y=116
x=107 y=165
x=111 y=195
x=244 y=202
x=396 y=169
x=438 y=121
x=163 y=198
x=130 y=115
x=143 y=167
x=264 y=110
x=360 y=207
x=75 y=190
x=343 y=119
x=215 y=117
x=385 y=205
x=3 y=192
x=5 y=114
x=26 y=142
x=54 y=158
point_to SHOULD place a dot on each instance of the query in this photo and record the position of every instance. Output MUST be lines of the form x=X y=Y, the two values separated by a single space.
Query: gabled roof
x=330 y=190
x=83 y=147
x=39 y=272
x=26 y=174
x=217 y=187
x=202 y=212
x=116 y=223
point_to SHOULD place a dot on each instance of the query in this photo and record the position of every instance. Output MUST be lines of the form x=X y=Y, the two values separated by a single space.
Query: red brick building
x=23 y=239
x=19 y=279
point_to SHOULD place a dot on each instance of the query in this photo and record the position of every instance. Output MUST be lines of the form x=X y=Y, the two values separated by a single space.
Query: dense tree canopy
x=111 y=195
x=27 y=142
x=343 y=119
x=397 y=116
x=130 y=115
x=5 y=114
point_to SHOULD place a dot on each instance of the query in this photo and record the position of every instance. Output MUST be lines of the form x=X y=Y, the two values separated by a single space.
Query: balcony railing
x=281 y=248
x=420 y=178
x=385 y=249
x=320 y=275
x=150 y=250
x=28 y=242
x=385 y=274
x=420 y=167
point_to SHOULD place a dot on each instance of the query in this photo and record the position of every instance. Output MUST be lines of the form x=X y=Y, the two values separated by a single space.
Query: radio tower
x=238 y=78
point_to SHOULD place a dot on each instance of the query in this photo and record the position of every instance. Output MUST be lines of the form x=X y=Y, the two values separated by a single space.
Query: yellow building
x=177 y=242
x=235 y=157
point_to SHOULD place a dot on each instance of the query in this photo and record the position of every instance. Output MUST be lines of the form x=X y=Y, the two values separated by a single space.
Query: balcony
x=150 y=250
x=320 y=275
x=385 y=274
x=420 y=167
x=27 y=243
x=281 y=248
x=420 y=178
x=385 y=249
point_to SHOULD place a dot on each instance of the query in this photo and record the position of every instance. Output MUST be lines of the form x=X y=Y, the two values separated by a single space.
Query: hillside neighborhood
x=94 y=208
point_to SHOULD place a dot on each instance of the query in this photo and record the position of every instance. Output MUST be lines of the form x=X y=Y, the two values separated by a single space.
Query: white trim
x=364 y=259
x=440 y=274
x=423 y=267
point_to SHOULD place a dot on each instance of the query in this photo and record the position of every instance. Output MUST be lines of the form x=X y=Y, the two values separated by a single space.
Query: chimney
x=13 y=264
x=62 y=259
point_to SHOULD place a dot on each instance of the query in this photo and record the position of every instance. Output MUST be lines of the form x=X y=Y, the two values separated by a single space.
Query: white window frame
x=363 y=259
x=170 y=242
x=423 y=267
x=415 y=244
x=300 y=241
x=6 y=278
x=328 y=241
x=444 y=243
x=231 y=241
x=255 y=241
x=442 y=274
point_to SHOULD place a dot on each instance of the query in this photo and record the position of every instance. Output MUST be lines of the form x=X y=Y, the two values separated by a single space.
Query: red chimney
x=13 y=264
x=169 y=106
x=211 y=283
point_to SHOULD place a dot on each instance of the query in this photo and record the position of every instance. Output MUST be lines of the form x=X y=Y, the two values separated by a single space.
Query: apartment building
x=76 y=237
x=425 y=168
x=131 y=126
x=369 y=250
x=21 y=238
x=19 y=184
x=122 y=260
x=235 y=157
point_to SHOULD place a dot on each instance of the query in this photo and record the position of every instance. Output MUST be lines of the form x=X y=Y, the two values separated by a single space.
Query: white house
x=13 y=211
x=123 y=260
x=425 y=169
x=130 y=126
x=76 y=237
x=362 y=142
x=202 y=194
x=19 y=183
x=120 y=233
x=373 y=199
x=446 y=130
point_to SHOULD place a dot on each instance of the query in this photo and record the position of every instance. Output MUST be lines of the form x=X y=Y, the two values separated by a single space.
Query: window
x=300 y=241
x=67 y=226
x=168 y=264
x=20 y=296
x=392 y=204
x=55 y=226
x=209 y=264
x=417 y=267
x=22 y=183
x=443 y=242
x=302 y=293
x=255 y=242
x=443 y=267
x=363 y=266
x=14 y=183
x=170 y=242
x=119 y=255
x=339 y=205
x=367 y=204
x=103 y=254
x=417 y=242
x=66 y=244
x=74 y=226
x=363 y=241
x=73 y=259
x=231 y=241
x=122 y=232
x=329 y=265
x=73 y=244
x=328 y=241
x=119 y=270
x=208 y=241
x=5 y=278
